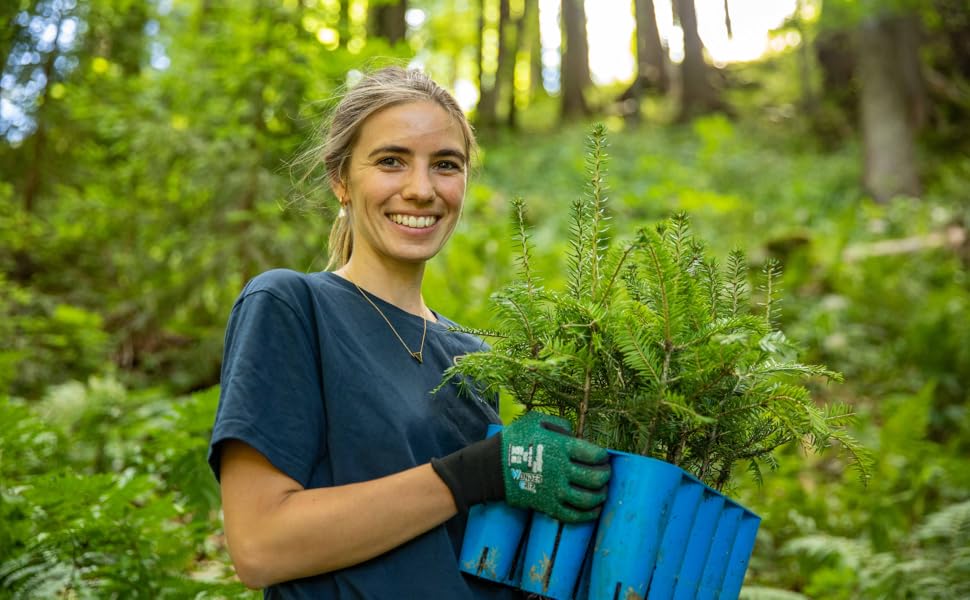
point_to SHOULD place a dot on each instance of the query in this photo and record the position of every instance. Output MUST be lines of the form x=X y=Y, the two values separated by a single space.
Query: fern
x=70 y=529
x=934 y=562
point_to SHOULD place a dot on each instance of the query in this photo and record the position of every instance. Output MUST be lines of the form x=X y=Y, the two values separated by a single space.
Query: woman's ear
x=339 y=190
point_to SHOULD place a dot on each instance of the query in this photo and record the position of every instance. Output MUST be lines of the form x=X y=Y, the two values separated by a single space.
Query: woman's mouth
x=413 y=221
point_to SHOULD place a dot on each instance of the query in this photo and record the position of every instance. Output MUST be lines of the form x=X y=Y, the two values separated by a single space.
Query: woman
x=342 y=476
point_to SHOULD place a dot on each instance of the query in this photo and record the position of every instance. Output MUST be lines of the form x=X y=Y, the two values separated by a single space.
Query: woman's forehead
x=413 y=124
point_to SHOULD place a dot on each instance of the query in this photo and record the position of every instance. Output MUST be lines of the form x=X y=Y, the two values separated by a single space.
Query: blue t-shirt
x=315 y=380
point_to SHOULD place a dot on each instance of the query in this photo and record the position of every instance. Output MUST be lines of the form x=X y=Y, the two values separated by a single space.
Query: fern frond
x=952 y=523
x=848 y=552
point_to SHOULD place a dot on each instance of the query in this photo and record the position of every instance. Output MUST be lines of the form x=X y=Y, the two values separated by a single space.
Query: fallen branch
x=953 y=237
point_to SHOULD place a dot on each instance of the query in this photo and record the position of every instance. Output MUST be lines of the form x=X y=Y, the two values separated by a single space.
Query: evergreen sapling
x=655 y=348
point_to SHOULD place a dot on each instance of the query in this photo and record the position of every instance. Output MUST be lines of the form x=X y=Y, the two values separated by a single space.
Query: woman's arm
x=278 y=531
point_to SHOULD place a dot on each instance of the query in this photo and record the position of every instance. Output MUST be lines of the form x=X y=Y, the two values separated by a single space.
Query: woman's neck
x=400 y=287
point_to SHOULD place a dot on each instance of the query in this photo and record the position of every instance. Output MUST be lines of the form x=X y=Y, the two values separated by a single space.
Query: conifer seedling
x=655 y=348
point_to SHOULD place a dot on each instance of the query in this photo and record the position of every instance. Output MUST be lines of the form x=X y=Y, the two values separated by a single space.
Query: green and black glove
x=534 y=463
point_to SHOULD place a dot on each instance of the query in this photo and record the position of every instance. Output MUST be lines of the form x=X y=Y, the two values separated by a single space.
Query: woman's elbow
x=253 y=568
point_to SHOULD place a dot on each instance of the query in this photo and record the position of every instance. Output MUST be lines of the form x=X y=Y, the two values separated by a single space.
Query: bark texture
x=885 y=110
x=575 y=60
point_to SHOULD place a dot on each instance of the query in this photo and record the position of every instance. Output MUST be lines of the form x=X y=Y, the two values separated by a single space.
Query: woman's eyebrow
x=393 y=149
x=452 y=153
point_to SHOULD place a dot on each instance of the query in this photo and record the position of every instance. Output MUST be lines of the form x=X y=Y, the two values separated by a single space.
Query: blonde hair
x=375 y=91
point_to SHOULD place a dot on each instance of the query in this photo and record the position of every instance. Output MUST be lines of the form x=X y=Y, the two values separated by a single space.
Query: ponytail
x=341 y=242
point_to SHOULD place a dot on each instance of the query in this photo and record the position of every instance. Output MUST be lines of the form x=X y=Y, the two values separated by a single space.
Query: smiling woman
x=402 y=193
x=342 y=474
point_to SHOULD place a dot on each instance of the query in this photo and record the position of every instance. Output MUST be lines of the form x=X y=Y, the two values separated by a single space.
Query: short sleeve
x=270 y=397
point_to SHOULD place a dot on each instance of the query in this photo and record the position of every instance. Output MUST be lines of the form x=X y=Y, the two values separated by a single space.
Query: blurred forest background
x=144 y=147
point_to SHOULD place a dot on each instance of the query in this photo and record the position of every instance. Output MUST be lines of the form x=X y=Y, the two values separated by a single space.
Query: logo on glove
x=529 y=475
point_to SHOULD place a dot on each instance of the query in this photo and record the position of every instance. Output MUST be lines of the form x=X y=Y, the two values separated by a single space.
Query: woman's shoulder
x=289 y=284
x=304 y=293
x=276 y=280
x=291 y=288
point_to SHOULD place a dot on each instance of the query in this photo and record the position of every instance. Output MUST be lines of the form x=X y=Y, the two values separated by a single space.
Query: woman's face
x=405 y=183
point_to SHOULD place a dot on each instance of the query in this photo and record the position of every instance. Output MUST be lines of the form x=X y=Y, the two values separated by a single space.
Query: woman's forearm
x=278 y=531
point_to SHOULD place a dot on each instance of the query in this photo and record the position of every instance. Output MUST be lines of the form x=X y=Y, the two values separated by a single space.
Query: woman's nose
x=418 y=186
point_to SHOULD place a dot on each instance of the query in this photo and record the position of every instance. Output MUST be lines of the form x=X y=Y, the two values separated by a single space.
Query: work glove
x=535 y=463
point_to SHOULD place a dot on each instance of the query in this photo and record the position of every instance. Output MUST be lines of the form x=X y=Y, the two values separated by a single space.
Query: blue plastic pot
x=663 y=534
x=638 y=506
x=673 y=545
x=740 y=554
x=492 y=542
x=494 y=536
x=554 y=556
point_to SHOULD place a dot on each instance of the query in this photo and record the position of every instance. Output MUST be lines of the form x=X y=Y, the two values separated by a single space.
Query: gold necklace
x=415 y=355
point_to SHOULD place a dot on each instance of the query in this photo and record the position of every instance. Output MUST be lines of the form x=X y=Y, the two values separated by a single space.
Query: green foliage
x=158 y=146
x=104 y=494
x=934 y=561
x=654 y=347
x=904 y=534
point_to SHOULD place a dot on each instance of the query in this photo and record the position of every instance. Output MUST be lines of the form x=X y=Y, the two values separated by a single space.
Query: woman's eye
x=388 y=161
x=449 y=165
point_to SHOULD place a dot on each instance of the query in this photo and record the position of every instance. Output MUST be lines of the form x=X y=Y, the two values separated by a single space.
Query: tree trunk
x=386 y=20
x=524 y=33
x=343 y=22
x=32 y=178
x=698 y=96
x=575 y=60
x=583 y=41
x=808 y=101
x=535 y=57
x=887 y=132
x=651 y=67
x=651 y=57
x=492 y=84
x=908 y=32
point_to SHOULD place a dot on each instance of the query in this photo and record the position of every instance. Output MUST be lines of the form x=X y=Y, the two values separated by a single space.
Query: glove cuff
x=474 y=473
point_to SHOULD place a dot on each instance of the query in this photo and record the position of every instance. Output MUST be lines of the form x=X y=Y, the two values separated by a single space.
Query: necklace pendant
x=418 y=356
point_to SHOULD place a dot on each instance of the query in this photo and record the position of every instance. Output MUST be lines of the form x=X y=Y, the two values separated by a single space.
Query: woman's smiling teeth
x=412 y=221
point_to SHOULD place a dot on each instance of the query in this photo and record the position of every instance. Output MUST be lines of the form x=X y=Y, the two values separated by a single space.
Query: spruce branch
x=521 y=235
x=596 y=200
x=736 y=286
x=771 y=272
x=711 y=279
x=578 y=259
x=478 y=332
x=655 y=348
